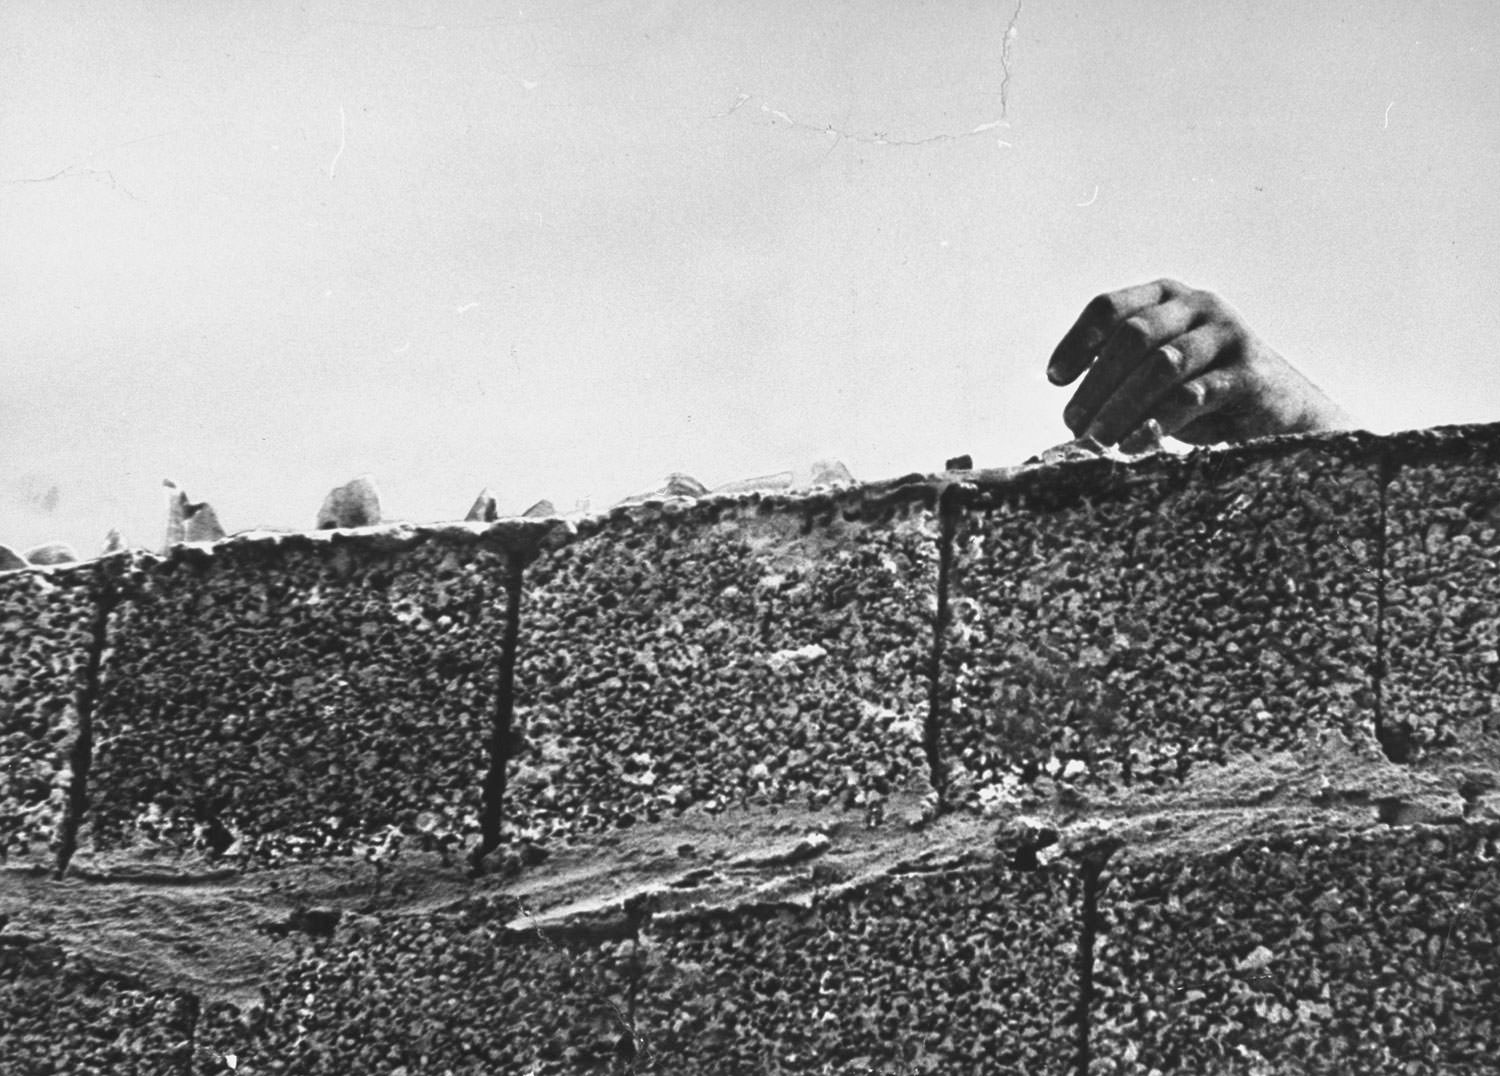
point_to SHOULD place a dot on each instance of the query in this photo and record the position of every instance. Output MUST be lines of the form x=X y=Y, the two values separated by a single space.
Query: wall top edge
x=865 y=502
x=510 y=537
x=980 y=489
x=1444 y=442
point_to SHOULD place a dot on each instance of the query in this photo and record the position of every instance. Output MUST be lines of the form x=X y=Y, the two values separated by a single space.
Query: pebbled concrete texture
x=1303 y=951
x=961 y=967
x=1442 y=605
x=63 y=1017
x=1120 y=625
x=749 y=651
x=300 y=696
x=48 y=628
x=1175 y=765
x=451 y=991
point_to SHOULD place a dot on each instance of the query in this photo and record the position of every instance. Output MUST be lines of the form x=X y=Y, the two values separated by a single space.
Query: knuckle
x=1167 y=363
x=1104 y=307
x=1172 y=287
x=1212 y=304
x=1134 y=336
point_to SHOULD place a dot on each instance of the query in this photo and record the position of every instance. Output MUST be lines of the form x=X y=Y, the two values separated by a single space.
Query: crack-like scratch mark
x=496 y=23
x=73 y=171
x=1092 y=198
x=1387 y=124
x=874 y=138
x=78 y=168
x=1011 y=34
x=343 y=132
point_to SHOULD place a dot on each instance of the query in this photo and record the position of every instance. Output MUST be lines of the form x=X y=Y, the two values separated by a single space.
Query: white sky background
x=563 y=248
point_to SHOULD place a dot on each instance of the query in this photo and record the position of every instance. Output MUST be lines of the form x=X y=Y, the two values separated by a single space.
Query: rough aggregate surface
x=964 y=969
x=1372 y=952
x=452 y=992
x=720 y=756
x=62 y=1017
x=1119 y=624
x=735 y=654
x=45 y=638
x=295 y=698
x=1442 y=609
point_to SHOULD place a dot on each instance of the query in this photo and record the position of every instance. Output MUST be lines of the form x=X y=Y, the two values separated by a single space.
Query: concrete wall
x=1183 y=765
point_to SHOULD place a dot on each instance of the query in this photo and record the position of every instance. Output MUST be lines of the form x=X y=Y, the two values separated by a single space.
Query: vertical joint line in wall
x=937 y=702
x=633 y=1050
x=81 y=758
x=1381 y=539
x=492 y=810
x=194 y=1009
x=1088 y=927
x=630 y=1047
x=1391 y=742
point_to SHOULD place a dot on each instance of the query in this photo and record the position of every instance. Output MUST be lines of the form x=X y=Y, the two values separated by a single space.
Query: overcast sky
x=563 y=248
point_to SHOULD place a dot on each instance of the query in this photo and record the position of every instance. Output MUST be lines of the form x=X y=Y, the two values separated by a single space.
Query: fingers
x=1098 y=323
x=1151 y=379
x=1131 y=343
x=1180 y=412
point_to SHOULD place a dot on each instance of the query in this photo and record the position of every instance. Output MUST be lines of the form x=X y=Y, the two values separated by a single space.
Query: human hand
x=1183 y=357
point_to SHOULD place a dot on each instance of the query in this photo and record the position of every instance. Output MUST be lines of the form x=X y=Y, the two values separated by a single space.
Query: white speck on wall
x=343 y=141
